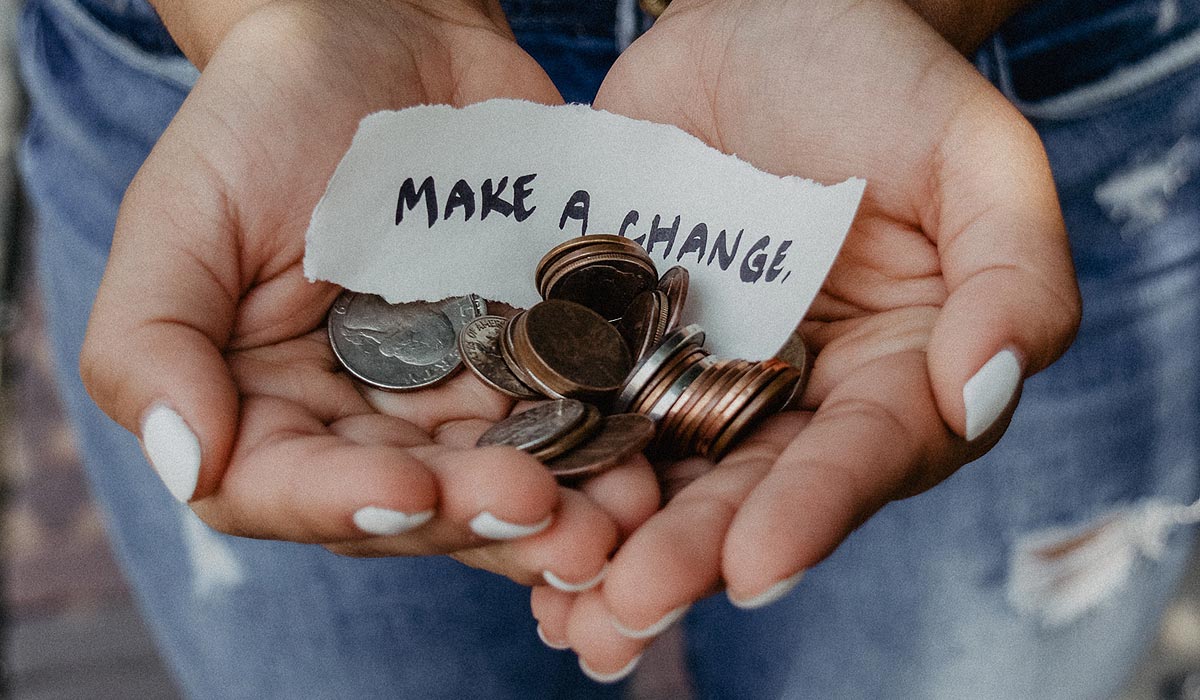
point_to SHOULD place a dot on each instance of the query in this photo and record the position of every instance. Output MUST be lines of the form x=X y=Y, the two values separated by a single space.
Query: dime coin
x=645 y=370
x=399 y=347
x=674 y=284
x=619 y=438
x=571 y=350
x=479 y=345
x=537 y=427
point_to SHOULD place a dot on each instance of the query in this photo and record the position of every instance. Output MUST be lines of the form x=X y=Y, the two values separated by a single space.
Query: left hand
x=956 y=267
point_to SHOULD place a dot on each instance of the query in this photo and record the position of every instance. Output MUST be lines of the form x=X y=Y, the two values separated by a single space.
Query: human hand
x=208 y=342
x=954 y=283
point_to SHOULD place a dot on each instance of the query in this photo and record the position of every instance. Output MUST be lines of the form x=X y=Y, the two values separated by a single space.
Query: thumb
x=1013 y=305
x=152 y=357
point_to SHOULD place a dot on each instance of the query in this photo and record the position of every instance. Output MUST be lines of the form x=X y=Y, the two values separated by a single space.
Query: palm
x=233 y=182
x=908 y=313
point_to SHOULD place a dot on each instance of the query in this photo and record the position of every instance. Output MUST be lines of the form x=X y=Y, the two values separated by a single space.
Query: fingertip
x=172 y=449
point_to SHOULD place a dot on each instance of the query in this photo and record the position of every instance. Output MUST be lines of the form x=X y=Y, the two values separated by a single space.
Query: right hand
x=204 y=311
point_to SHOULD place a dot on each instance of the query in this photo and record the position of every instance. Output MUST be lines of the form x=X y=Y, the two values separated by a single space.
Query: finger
x=605 y=655
x=551 y=608
x=875 y=438
x=628 y=493
x=674 y=559
x=1014 y=305
x=571 y=555
x=152 y=357
x=291 y=478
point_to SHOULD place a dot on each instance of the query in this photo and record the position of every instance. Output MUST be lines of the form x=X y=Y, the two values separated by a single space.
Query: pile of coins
x=571 y=437
x=700 y=404
x=605 y=343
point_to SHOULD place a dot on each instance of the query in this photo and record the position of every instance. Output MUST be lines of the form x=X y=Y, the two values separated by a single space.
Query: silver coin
x=479 y=345
x=400 y=347
x=536 y=428
x=646 y=368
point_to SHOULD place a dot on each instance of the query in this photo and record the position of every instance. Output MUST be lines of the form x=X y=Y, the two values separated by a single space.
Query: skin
x=204 y=306
x=958 y=252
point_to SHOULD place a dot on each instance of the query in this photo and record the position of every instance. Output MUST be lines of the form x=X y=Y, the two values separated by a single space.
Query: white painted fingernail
x=383 y=521
x=575 y=587
x=172 y=449
x=768 y=596
x=487 y=525
x=553 y=645
x=989 y=392
x=653 y=630
x=609 y=677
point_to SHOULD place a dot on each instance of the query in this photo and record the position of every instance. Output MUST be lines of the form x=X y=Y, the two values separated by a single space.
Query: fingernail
x=487 y=525
x=609 y=677
x=768 y=596
x=653 y=630
x=575 y=587
x=560 y=646
x=989 y=392
x=383 y=521
x=172 y=449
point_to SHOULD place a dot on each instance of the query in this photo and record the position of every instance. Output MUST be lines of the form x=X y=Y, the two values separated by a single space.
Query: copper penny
x=665 y=378
x=479 y=345
x=510 y=357
x=607 y=284
x=665 y=400
x=727 y=406
x=769 y=400
x=537 y=427
x=571 y=349
x=686 y=436
x=557 y=252
x=640 y=324
x=619 y=438
x=674 y=285
x=675 y=419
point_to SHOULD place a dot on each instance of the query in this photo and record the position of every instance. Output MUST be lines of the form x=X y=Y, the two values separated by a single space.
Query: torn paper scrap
x=435 y=201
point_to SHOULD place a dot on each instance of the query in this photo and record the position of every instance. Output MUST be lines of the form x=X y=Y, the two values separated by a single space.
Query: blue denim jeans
x=913 y=605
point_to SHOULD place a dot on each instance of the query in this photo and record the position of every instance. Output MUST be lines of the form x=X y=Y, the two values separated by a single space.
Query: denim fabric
x=912 y=606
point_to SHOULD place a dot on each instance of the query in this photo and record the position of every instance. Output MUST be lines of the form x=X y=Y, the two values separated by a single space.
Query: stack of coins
x=571 y=438
x=702 y=405
x=556 y=349
x=605 y=339
x=602 y=272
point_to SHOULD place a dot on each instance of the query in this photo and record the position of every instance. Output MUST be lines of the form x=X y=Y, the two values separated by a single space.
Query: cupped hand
x=207 y=341
x=955 y=283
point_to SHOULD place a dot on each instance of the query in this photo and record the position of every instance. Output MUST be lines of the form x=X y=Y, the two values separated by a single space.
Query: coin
x=399 y=347
x=571 y=350
x=645 y=369
x=573 y=437
x=537 y=427
x=768 y=401
x=605 y=284
x=640 y=324
x=620 y=437
x=674 y=284
x=479 y=346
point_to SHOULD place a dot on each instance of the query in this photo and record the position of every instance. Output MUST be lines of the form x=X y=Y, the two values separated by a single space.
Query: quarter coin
x=619 y=438
x=479 y=345
x=537 y=427
x=399 y=347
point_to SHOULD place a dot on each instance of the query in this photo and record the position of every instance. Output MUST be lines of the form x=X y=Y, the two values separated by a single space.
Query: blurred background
x=70 y=627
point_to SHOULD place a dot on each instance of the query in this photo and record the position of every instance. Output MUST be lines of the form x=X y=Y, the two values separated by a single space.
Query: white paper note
x=435 y=201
